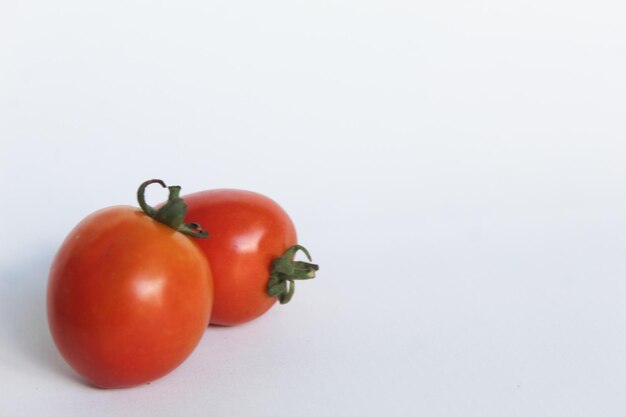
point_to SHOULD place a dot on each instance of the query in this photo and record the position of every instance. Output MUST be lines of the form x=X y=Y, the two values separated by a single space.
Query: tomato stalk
x=172 y=213
x=285 y=270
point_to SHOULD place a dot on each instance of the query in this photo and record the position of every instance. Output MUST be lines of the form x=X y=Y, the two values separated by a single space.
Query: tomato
x=128 y=296
x=251 y=247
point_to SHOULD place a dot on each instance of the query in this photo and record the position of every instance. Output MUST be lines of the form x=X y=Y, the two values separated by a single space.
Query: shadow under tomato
x=23 y=320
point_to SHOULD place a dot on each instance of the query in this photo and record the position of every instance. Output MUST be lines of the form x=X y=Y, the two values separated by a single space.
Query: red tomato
x=251 y=247
x=128 y=297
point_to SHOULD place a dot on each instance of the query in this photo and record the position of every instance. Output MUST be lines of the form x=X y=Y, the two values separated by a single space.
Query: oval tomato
x=129 y=297
x=251 y=248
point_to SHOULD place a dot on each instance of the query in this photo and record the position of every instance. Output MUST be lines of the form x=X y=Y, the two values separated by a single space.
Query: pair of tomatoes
x=131 y=291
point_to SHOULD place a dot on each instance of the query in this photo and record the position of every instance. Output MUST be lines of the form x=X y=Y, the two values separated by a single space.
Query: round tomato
x=251 y=248
x=128 y=296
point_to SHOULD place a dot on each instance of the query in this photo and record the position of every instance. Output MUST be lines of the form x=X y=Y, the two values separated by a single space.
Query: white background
x=456 y=168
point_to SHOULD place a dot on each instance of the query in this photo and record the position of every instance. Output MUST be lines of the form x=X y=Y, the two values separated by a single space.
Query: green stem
x=285 y=270
x=172 y=213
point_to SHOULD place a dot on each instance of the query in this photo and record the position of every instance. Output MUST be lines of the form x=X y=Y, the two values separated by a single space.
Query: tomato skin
x=128 y=298
x=247 y=231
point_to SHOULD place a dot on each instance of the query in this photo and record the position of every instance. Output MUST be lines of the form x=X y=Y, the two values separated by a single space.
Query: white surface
x=457 y=169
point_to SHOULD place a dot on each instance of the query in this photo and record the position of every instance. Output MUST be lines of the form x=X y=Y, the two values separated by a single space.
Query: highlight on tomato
x=251 y=251
x=129 y=294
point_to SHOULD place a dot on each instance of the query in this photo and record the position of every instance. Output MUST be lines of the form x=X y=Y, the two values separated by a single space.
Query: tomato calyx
x=172 y=213
x=285 y=270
